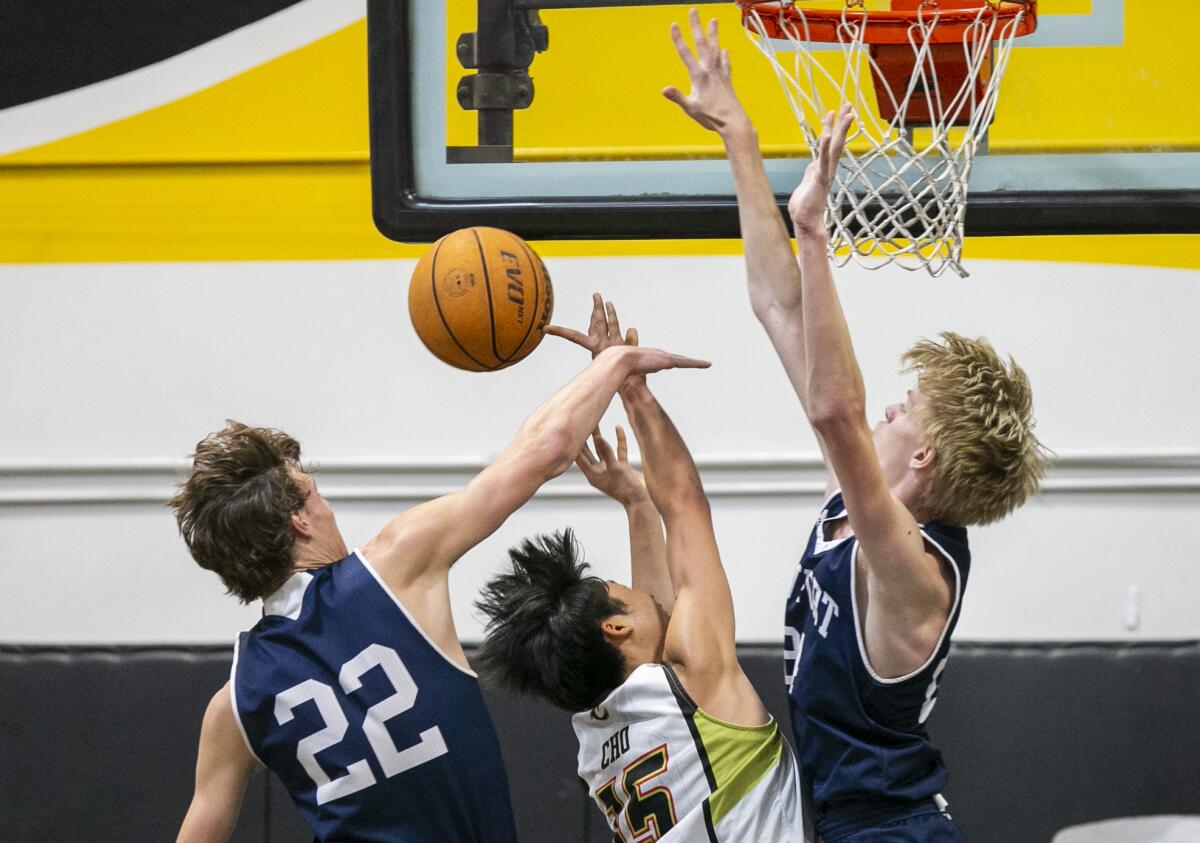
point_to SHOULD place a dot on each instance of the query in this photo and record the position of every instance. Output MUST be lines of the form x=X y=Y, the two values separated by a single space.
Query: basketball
x=480 y=299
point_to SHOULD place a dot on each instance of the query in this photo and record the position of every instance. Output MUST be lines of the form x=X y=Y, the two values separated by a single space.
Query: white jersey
x=661 y=769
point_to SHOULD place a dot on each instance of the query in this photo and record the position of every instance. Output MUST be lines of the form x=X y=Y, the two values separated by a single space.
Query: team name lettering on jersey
x=793 y=646
x=822 y=607
x=613 y=748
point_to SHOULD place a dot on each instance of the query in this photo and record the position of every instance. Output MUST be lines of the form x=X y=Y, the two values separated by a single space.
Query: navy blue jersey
x=863 y=748
x=377 y=734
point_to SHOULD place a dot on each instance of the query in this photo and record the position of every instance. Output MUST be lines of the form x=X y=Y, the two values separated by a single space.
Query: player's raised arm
x=609 y=471
x=772 y=275
x=771 y=271
x=890 y=540
x=700 y=640
x=429 y=538
x=223 y=767
x=700 y=635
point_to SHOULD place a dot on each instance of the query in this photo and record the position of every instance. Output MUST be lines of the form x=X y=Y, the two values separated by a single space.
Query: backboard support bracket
x=501 y=50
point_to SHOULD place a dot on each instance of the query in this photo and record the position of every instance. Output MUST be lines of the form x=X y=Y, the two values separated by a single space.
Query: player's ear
x=616 y=629
x=300 y=525
x=922 y=458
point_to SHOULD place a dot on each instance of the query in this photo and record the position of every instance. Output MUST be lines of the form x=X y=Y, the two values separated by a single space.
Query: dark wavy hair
x=543 y=632
x=235 y=508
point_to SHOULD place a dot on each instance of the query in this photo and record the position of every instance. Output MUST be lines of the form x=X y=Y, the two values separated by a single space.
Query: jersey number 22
x=393 y=761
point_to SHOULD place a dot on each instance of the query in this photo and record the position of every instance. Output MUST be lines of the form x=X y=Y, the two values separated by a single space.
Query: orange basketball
x=480 y=299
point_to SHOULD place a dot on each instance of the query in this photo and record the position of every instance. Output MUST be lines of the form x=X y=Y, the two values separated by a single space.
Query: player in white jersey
x=674 y=742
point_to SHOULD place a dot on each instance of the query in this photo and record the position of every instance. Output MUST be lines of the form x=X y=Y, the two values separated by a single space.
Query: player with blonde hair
x=879 y=586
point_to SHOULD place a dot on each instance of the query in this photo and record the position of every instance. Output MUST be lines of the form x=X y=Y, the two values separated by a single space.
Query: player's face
x=645 y=615
x=900 y=435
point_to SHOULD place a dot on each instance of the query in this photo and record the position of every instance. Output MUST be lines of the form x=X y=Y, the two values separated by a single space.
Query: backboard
x=1095 y=130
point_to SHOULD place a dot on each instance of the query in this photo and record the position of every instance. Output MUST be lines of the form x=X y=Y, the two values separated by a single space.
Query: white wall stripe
x=1134 y=458
x=754 y=475
x=71 y=112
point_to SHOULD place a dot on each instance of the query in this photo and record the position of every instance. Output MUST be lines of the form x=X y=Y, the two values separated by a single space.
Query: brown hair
x=979 y=420
x=234 y=510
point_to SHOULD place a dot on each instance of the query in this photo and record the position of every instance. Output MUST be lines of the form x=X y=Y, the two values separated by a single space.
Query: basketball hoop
x=935 y=66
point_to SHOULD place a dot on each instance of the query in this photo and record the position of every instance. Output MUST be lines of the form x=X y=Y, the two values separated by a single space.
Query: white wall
x=110 y=373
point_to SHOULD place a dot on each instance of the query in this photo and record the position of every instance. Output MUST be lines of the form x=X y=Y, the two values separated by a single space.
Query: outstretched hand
x=604 y=329
x=649 y=360
x=712 y=102
x=604 y=332
x=807 y=205
x=611 y=472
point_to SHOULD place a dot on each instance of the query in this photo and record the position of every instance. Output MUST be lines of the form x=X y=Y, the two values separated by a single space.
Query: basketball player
x=353 y=687
x=674 y=742
x=880 y=584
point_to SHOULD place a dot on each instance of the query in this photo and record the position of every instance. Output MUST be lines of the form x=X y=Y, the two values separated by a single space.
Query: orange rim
x=953 y=18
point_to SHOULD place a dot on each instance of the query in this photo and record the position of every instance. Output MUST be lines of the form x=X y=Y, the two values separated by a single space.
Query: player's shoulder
x=219 y=703
x=296 y=594
x=219 y=716
x=650 y=677
x=833 y=506
x=636 y=697
x=946 y=540
x=406 y=548
x=221 y=731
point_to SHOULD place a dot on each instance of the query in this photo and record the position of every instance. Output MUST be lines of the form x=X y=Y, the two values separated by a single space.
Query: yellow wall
x=272 y=164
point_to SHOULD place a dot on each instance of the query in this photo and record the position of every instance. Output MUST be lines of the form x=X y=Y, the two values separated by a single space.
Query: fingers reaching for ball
x=604 y=331
x=571 y=335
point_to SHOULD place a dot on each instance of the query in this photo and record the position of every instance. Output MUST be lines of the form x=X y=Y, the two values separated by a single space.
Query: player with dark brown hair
x=353 y=687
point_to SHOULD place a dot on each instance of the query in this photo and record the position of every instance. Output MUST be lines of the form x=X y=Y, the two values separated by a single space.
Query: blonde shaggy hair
x=979 y=420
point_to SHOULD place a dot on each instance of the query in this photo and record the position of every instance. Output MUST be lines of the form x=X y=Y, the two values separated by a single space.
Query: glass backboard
x=1096 y=129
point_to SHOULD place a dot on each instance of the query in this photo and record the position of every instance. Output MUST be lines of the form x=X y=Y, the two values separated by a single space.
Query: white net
x=901 y=189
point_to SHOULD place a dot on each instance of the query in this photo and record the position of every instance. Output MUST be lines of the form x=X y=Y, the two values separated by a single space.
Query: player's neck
x=310 y=554
x=635 y=657
x=911 y=491
x=908 y=491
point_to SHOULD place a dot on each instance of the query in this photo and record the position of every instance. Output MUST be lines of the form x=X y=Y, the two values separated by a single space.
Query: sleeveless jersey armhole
x=858 y=630
x=237 y=716
x=399 y=605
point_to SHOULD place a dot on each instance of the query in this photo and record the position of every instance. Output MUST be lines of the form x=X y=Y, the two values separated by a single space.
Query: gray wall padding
x=99 y=743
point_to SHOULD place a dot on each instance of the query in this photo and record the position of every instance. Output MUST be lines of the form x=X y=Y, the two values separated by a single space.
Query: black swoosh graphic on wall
x=51 y=46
